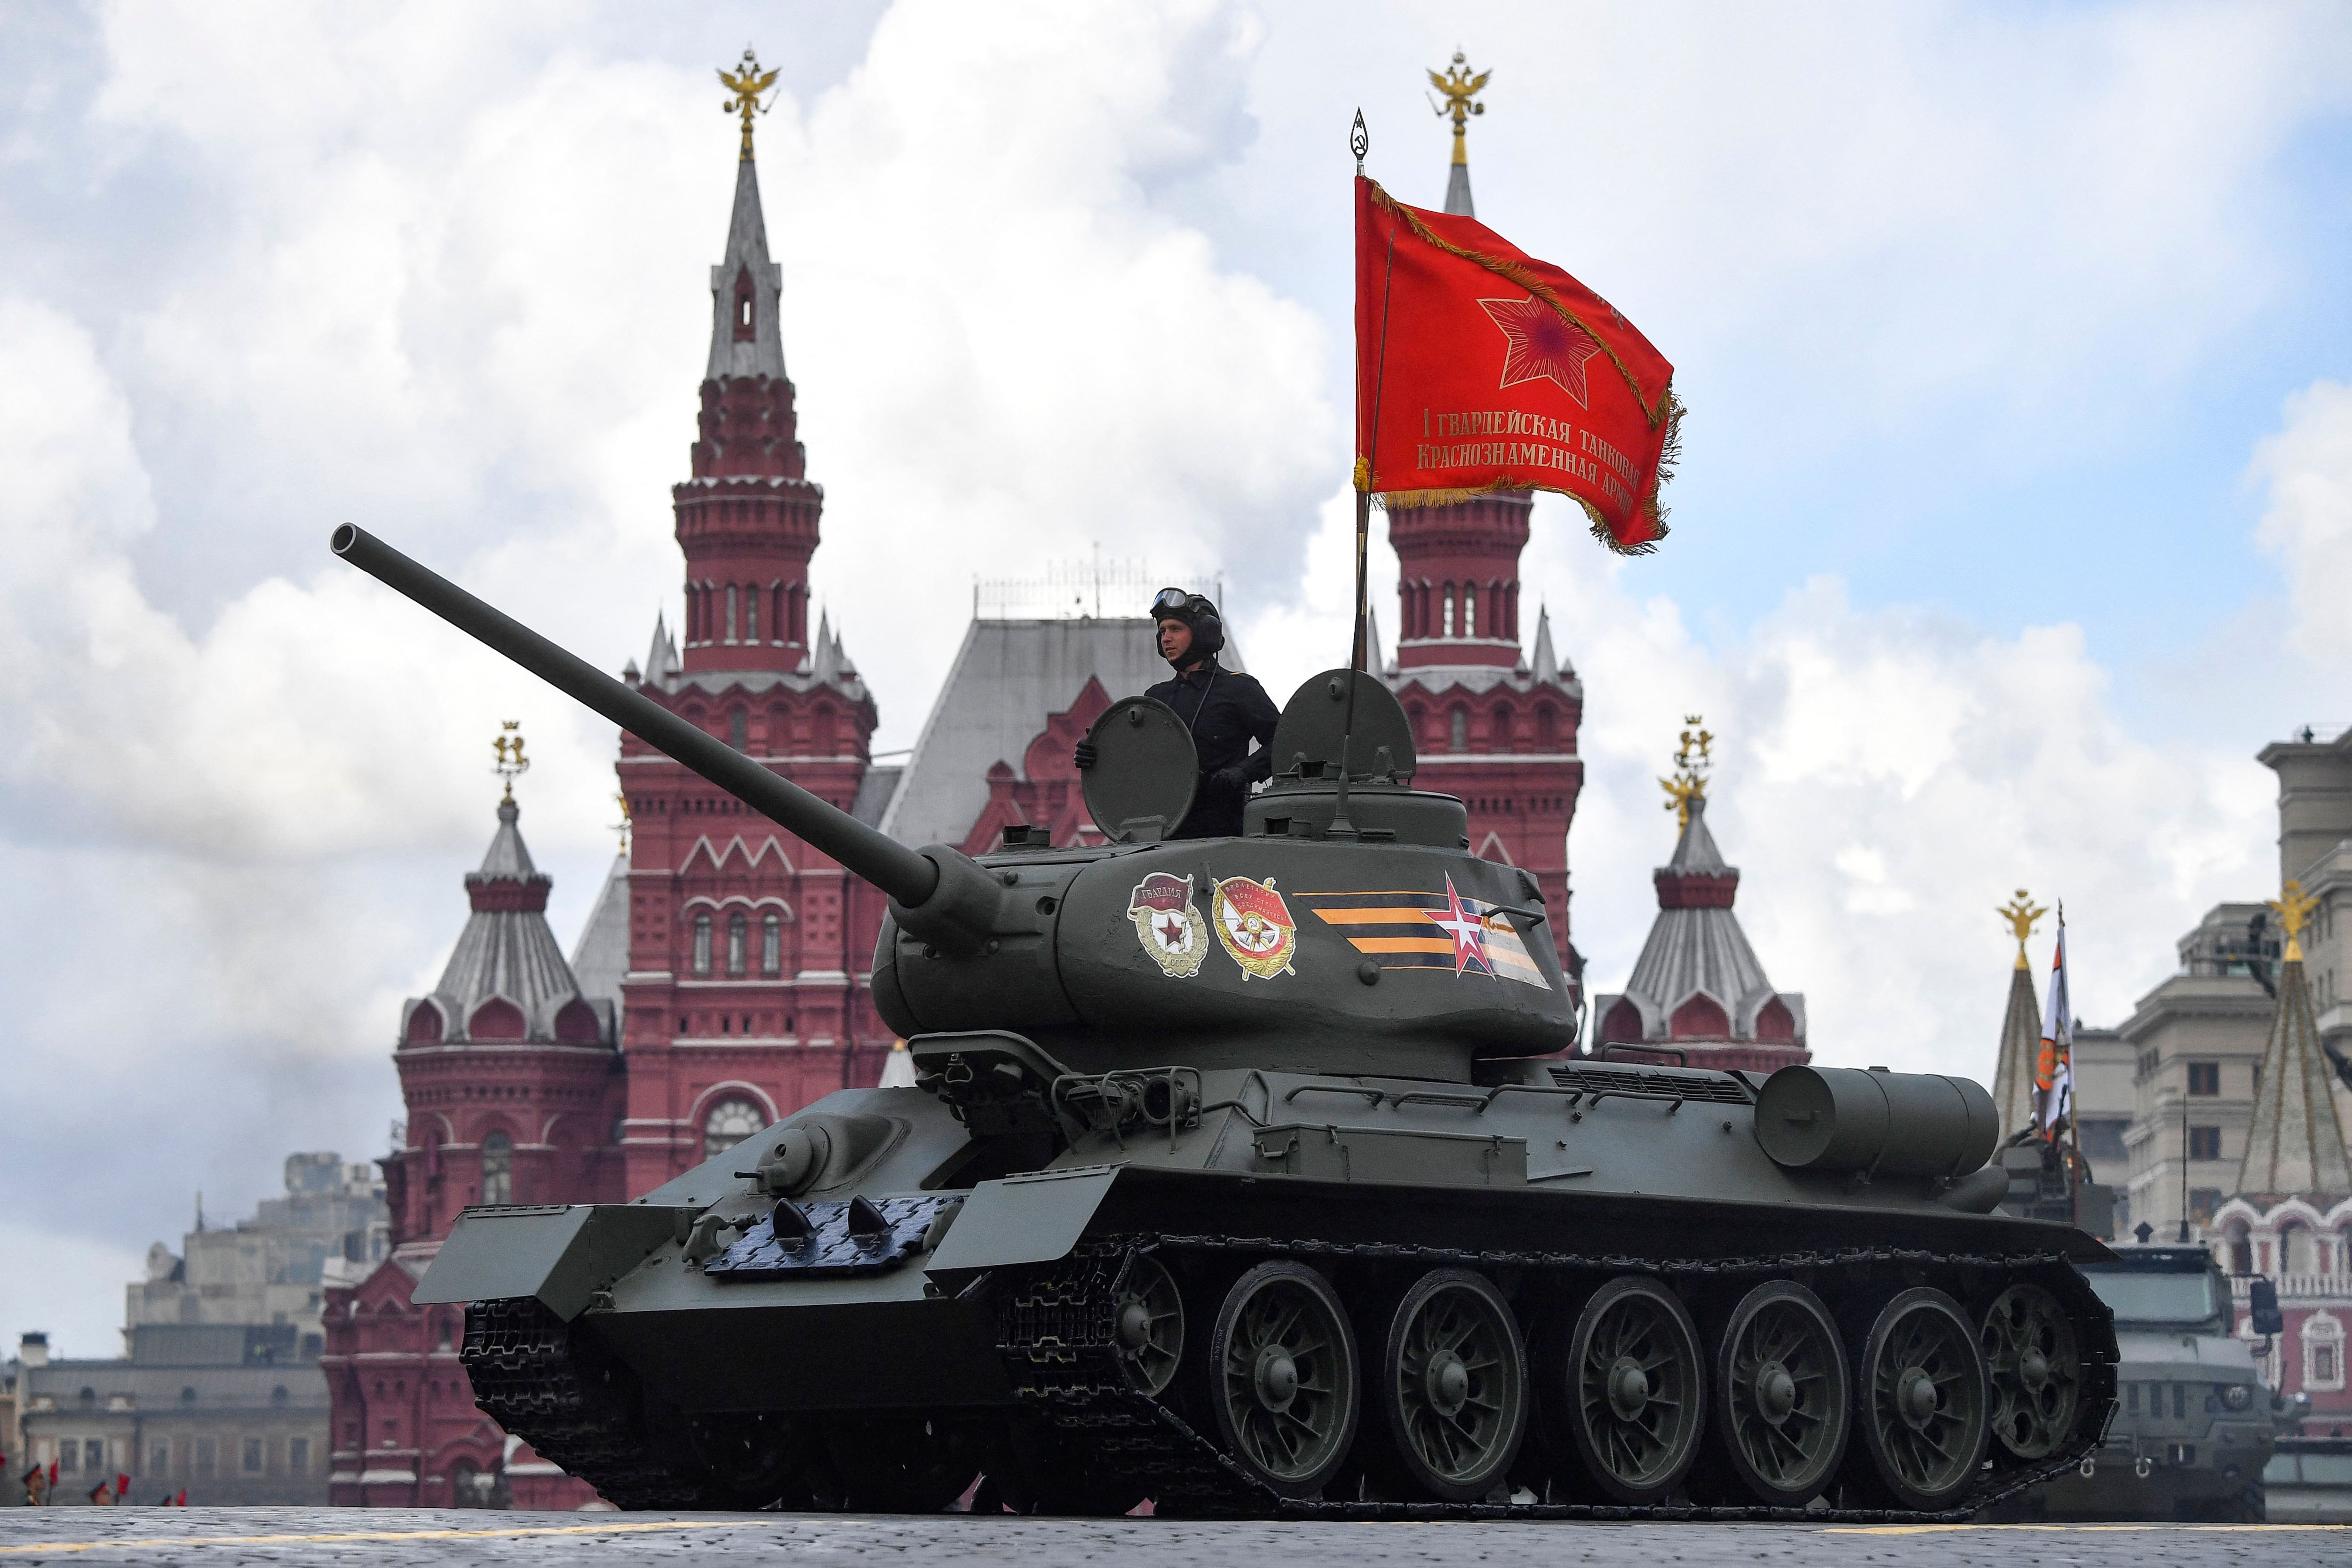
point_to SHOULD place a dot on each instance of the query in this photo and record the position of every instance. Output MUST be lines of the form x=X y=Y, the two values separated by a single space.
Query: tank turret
x=1349 y=929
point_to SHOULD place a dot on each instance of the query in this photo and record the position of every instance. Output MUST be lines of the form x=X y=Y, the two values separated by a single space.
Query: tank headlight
x=2237 y=1396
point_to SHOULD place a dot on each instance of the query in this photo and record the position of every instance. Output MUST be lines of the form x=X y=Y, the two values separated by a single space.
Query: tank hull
x=988 y=1335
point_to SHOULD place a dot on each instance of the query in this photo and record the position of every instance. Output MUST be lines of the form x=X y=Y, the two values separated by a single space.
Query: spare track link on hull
x=1057 y=1343
x=519 y=1358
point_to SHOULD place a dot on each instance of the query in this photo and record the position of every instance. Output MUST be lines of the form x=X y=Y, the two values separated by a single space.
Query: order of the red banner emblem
x=1254 y=926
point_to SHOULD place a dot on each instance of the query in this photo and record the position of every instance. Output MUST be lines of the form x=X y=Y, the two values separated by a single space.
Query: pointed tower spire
x=1547 y=665
x=2021 y=1027
x=1461 y=89
x=1373 y=661
x=748 y=520
x=1699 y=988
x=2296 y=1145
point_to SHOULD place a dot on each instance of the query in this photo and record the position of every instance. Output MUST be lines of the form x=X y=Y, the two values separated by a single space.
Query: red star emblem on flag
x=1542 y=345
x=1468 y=931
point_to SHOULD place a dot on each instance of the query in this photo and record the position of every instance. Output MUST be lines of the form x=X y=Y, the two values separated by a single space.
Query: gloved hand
x=1231 y=783
x=1083 y=753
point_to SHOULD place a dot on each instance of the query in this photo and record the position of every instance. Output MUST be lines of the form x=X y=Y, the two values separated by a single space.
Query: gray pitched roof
x=1699 y=948
x=2021 y=1052
x=602 y=956
x=2296 y=1144
x=762 y=354
x=1008 y=678
x=506 y=950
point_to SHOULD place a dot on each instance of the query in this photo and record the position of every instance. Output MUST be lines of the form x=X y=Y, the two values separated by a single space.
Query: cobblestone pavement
x=219 y=1538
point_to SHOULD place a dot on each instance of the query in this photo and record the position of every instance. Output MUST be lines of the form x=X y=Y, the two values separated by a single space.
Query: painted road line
x=128 y=1541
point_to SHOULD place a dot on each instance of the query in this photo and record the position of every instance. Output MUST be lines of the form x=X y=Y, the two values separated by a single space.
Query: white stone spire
x=745 y=290
x=1546 y=666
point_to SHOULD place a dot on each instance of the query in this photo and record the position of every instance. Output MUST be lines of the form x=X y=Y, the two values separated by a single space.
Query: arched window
x=1498 y=739
x=702 y=942
x=730 y=1122
x=1460 y=737
x=772 y=943
x=733 y=595
x=750 y=615
x=737 y=730
x=2299 y=1250
x=1547 y=725
x=776 y=614
x=736 y=942
x=2323 y=1353
x=1469 y=610
x=1447 y=622
x=498 y=1168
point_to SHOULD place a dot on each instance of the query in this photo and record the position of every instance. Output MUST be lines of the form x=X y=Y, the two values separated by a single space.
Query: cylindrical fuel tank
x=1890 y=1124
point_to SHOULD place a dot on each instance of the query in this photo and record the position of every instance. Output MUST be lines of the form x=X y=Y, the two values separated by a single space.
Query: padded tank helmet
x=1196 y=611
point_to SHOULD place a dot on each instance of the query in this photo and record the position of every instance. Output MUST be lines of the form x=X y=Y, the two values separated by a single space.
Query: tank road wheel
x=1635 y=1393
x=1283 y=1377
x=1780 y=1395
x=902 y=1464
x=1454 y=1386
x=1148 y=1319
x=2036 y=1370
x=1921 y=1389
x=751 y=1461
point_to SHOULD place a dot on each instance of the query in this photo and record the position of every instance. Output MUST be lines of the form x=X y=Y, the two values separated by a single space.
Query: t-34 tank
x=1244 y=1175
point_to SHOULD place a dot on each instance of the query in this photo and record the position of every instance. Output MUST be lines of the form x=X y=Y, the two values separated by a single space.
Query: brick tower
x=512 y=1086
x=749 y=952
x=1493 y=724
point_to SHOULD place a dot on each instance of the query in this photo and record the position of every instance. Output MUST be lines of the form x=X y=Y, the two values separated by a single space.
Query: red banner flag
x=1479 y=368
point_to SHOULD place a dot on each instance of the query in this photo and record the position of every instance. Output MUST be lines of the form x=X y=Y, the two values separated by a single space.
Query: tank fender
x=1978 y=1193
x=1030 y=1218
x=560 y=1254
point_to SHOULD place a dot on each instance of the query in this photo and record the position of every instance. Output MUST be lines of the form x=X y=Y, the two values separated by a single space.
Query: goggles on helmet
x=1171 y=602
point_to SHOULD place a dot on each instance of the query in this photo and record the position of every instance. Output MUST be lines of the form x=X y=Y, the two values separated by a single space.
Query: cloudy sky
x=2016 y=515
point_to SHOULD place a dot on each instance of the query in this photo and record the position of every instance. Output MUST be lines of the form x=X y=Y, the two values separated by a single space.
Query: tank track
x=577 y=1414
x=1057 y=1345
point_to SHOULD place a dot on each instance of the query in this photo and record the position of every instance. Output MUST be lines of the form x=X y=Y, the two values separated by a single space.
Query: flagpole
x=2073 y=1098
x=1359 y=142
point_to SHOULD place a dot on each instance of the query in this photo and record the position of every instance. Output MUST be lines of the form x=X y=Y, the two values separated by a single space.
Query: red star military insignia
x=1542 y=345
x=1469 y=933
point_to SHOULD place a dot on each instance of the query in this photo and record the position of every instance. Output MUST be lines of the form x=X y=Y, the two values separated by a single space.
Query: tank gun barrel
x=909 y=877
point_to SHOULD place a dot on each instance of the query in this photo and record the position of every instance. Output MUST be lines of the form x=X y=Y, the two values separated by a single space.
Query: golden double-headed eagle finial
x=511 y=763
x=746 y=86
x=1693 y=760
x=2294 y=909
x=2020 y=912
x=1461 y=90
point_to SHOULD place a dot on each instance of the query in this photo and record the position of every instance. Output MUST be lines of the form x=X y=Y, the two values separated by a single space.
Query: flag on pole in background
x=2054 y=1074
x=1479 y=368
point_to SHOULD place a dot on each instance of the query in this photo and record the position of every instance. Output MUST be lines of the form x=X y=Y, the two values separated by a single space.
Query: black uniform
x=1225 y=710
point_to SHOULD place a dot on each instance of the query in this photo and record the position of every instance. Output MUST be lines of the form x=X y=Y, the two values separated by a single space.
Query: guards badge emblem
x=1255 y=925
x=1166 y=926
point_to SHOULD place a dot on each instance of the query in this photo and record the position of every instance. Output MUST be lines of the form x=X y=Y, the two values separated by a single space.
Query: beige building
x=2196 y=1043
x=221 y=1394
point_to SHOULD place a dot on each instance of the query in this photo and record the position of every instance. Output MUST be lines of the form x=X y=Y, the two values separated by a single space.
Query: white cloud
x=2308 y=469
x=1885 y=778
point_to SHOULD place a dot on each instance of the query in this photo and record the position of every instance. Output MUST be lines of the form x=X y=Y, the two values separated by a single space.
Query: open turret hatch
x=1145 y=771
x=1343 y=767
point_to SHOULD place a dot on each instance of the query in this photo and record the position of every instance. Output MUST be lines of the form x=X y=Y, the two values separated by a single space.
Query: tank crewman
x=37 y=1487
x=1225 y=709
